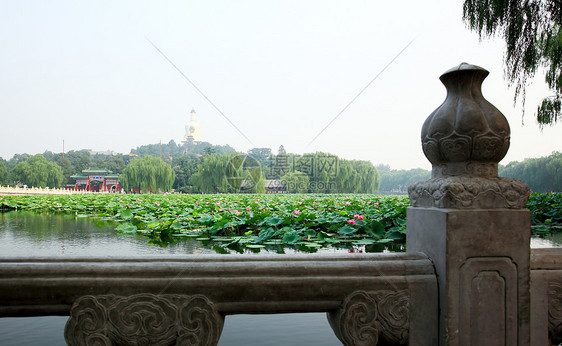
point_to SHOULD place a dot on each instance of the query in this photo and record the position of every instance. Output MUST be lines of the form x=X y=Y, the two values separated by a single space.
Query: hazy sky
x=86 y=73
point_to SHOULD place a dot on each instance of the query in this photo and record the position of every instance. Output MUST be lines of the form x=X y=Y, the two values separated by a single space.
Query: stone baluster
x=470 y=222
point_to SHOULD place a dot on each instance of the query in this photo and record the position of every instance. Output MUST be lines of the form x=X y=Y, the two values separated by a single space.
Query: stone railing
x=30 y=191
x=546 y=296
x=183 y=300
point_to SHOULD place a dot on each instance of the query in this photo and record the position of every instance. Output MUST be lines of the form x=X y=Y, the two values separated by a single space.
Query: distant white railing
x=10 y=190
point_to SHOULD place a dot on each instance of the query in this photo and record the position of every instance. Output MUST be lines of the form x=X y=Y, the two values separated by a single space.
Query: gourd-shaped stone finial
x=464 y=139
x=466 y=134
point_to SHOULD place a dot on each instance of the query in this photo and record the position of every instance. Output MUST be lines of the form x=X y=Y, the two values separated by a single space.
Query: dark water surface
x=30 y=234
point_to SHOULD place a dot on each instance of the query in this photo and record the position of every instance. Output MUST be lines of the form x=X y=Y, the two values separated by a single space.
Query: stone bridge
x=468 y=278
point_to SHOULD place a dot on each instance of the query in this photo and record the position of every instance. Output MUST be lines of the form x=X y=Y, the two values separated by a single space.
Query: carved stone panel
x=143 y=319
x=555 y=312
x=488 y=302
x=367 y=318
x=460 y=192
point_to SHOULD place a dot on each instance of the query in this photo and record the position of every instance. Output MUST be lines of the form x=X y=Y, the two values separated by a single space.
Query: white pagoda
x=192 y=131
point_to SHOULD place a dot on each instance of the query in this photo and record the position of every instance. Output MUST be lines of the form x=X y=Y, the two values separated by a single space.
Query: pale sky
x=86 y=73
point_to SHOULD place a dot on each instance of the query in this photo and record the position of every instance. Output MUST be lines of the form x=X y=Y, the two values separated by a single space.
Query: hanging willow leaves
x=532 y=32
x=146 y=174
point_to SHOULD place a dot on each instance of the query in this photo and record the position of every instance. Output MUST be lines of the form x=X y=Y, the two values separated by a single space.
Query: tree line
x=198 y=168
x=542 y=174
x=397 y=181
x=205 y=168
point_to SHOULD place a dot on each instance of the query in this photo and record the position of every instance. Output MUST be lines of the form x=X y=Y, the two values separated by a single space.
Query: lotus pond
x=240 y=222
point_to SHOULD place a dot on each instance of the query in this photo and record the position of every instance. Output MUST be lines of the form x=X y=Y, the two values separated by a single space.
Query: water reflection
x=28 y=233
x=24 y=233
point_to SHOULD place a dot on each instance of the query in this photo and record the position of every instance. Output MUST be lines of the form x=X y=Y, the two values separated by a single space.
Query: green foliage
x=235 y=220
x=532 y=32
x=542 y=175
x=546 y=208
x=38 y=172
x=184 y=168
x=260 y=154
x=546 y=213
x=156 y=150
x=257 y=178
x=3 y=172
x=397 y=181
x=239 y=220
x=210 y=176
x=357 y=177
x=148 y=173
x=295 y=182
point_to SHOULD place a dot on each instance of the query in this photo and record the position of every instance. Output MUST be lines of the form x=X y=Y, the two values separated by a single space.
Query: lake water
x=30 y=234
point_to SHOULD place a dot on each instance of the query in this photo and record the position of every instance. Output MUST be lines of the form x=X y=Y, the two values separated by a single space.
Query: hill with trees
x=207 y=168
x=542 y=175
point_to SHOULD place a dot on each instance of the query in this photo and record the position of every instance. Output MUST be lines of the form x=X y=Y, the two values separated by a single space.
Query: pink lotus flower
x=347 y=203
x=236 y=212
x=300 y=203
x=207 y=203
x=351 y=221
x=248 y=209
x=227 y=209
x=376 y=204
x=218 y=203
x=296 y=212
x=360 y=217
x=157 y=204
x=220 y=209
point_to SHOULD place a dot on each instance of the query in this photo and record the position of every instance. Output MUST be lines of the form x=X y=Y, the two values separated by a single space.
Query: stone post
x=471 y=223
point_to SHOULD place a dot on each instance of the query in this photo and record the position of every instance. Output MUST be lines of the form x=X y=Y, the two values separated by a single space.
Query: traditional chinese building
x=192 y=131
x=96 y=180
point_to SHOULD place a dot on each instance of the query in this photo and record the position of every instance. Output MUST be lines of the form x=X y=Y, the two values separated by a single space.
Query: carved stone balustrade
x=546 y=296
x=370 y=298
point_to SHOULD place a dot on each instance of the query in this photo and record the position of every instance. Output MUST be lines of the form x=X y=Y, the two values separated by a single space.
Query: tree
x=210 y=176
x=67 y=169
x=256 y=177
x=116 y=164
x=295 y=182
x=149 y=173
x=38 y=172
x=532 y=32
x=397 y=181
x=260 y=154
x=17 y=158
x=356 y=176
x=3 y=171
x=80 y=160
x=542 y=174
x=185 y=167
